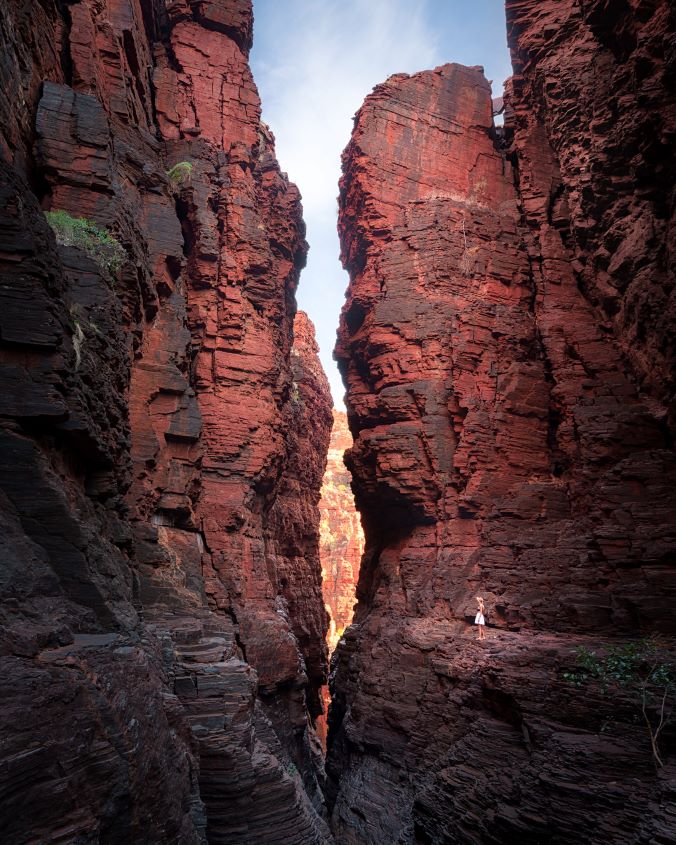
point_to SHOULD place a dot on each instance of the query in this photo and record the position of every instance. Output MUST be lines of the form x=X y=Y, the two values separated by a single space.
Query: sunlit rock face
x=506 y=444
x=342 y=537
x=163 y=628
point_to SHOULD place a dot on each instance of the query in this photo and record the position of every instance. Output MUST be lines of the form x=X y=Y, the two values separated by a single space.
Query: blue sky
x=314 y=61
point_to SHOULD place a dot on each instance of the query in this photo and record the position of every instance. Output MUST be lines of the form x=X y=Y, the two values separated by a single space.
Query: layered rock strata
x=162 y=620
x=510 y=441
x=341 y=535
x=593 y=116
x=295 y=516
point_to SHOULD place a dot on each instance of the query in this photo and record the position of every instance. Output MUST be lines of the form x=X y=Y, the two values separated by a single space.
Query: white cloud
x=314 y=61
x=334 y=53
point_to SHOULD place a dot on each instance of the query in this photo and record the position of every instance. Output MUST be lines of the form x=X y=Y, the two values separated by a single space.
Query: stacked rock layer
x=163 y=629
x=505 y=348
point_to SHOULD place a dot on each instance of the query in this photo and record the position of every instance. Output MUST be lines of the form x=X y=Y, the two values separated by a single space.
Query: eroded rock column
x=502 y=449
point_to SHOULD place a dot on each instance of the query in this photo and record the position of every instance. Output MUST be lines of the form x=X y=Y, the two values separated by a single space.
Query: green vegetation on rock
x=82 y=233
x=644 y=669
x=180 y=174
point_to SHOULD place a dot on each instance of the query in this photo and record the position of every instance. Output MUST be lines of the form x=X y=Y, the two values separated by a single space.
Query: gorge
x=341 y=538
x=170 y=540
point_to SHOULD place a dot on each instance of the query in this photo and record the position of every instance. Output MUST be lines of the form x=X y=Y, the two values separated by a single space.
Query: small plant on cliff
x=644 y=670
x=78 y=341
x=79 y=321
x=468 y=261
x=468 y=258
x=180 y=174
x=82 y=233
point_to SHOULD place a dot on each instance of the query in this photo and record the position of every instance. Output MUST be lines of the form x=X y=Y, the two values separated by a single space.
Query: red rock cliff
x=295 y=515
x=342 y=538
x=509 y=442
x=162 y=620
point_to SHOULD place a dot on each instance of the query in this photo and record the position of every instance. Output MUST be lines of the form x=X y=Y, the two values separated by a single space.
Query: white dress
x=479 y=619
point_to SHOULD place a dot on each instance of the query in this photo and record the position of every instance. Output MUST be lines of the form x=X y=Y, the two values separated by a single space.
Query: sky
x=314 y=62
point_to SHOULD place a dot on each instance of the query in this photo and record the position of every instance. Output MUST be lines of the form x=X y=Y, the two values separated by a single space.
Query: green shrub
x=644 y=669
x=82 y=233
x=180 y=174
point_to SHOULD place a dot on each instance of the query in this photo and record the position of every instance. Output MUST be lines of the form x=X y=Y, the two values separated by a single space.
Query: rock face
x=295 y=516
x=594 y=116
x=504 y=348
x=342 y=537
x=163 y=629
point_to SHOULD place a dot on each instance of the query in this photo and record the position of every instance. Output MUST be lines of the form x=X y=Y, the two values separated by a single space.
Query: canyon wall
x=506 y=346
x=163 y=629
x=341 y=536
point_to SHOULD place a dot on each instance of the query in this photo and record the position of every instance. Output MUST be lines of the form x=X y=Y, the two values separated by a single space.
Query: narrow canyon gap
x=341 y=538
x=507 y=349
x=341 y=544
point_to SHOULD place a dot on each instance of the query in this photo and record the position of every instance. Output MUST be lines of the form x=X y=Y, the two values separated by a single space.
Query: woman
x=479 y=618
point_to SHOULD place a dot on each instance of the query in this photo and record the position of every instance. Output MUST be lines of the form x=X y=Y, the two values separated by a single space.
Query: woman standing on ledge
x=479 y=618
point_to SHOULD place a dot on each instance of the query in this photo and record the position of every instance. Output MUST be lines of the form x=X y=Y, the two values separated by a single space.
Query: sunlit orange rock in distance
x=341 y=535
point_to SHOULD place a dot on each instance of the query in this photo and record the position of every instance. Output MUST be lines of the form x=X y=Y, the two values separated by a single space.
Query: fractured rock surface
x=511 y=441
x=163 y=629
